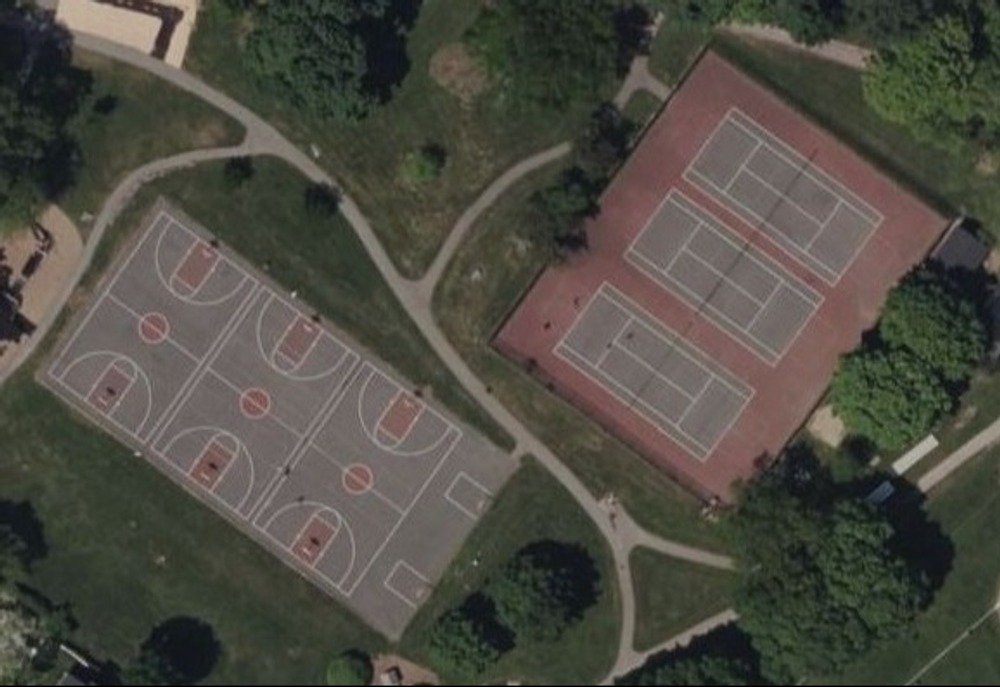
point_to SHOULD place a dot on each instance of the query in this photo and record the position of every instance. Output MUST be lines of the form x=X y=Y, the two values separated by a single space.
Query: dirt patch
x=457 y=71
x=412 y=673
x=965 y=417
x=211 y=134
x=827 y=427
x=992 y=263
x=987 y=164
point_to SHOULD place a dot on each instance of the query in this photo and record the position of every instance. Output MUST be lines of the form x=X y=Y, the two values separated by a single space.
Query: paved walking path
x=640 y=78
x=844 y=53
x=973 y=447
x=622 y=533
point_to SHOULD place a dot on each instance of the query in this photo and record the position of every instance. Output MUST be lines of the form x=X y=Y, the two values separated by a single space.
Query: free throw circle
x=153 y=328
x=255 y=403
x=358 y=479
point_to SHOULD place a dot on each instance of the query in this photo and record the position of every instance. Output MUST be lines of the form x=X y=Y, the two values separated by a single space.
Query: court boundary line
x=189 y=299
x=462 y=474
x=297 y=562
x=609 y=293
x=118 y=302
x=800 y=288
x=416 y=573
x=163 y=455
x=83 y=400
x=798 y=253
x=332 y=461
x=322 y=552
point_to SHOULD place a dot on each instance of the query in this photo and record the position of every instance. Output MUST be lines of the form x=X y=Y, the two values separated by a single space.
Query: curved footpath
x=263 y=139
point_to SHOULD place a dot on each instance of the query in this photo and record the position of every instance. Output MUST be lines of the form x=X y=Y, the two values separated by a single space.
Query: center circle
x=153 y=328
x=358 y=479
x=255 y=403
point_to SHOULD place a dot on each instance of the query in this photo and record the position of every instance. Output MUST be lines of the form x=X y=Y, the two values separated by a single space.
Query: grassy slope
x=532 y=507
x=481 y=140
x=674 y=49
x=673 y=595
x=469 y=313
x=135 y=131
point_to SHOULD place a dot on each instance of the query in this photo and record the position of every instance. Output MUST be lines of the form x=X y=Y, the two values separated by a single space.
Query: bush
x=350 y=668
x=424 y=165
x=322 y=200
x=238 y=171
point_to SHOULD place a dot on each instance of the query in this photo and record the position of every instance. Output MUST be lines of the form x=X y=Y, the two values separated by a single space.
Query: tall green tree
x=938 y=324
x=460 y=643
x=821 y=583
x=552 y=54
x=544 y=590
x=891 y=397
x=39 y=93
x=926 y=82
x=314 y=52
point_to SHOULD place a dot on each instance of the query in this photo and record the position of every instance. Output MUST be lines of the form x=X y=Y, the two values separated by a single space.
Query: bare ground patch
x=457 y=71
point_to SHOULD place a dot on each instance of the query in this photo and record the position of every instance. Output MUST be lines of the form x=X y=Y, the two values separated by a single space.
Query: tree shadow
x=188 y=645
x=480 y=608
x=919 y=539
x=385 y=37
x=581 y=579
x=22 y=521
x=727 y=641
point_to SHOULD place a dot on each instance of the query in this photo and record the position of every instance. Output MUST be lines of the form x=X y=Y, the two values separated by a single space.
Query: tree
x=925 y=82
x=179 y=651
x=238 y=171
x=321 y=200
x=460 y=643
x=544 y=590
x=939 y=325
x=552 y=54
x=723 y=656
x=821 y=582
x=891 y=397
x=882 y=22
x=315 y=52
x=350 y=668
x=39 y=93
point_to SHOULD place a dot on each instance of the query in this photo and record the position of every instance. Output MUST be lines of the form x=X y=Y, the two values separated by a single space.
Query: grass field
x=321 y=257
x=672 y=595
x=967 y=507
x=481 y=140
x=641 y=108
x=470 y=311
x=134 y=130
x=674 y=49
x=533 y=507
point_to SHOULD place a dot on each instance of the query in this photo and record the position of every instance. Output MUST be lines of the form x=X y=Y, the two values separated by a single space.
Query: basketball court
x=274 y=419
x=739 y=252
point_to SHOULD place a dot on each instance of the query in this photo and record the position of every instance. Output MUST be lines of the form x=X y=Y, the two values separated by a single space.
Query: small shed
x=961 y=247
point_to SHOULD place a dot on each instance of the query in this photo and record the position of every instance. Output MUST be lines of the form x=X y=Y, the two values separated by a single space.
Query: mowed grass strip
x=132 y=118
x=672 y=595
x=532 y=507
x=674 y=49
x=967 y=507
x=128 y=549
x=486 y=279
x=265 y=220
x=482 y=138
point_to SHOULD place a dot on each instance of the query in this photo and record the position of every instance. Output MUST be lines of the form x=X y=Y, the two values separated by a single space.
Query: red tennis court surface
x=738 y=253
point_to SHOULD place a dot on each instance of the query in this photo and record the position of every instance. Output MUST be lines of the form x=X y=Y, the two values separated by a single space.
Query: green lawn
x=137 y=128
x=831 y=94
x=975 y=661
x=674 y=49
x=533 y=507
x=641 y=108
x=481 y=140
x=967 y=507
x=322 y=258
x=672 y=595
x=470 y=311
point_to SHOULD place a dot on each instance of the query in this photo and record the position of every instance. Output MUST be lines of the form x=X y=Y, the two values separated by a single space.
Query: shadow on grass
x=22 y=521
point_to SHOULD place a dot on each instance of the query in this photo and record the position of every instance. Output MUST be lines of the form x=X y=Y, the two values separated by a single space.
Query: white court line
x=652 y=370
x=743 y=165
x=777 y=237
x=189 y=299
x=836 y=209
x=405 y=516
x=275 y=297
x=402 y=597
x=636 y=405
x=133 y=376
x=678 y=435
x=344 y=527
x=105 y=290
x=371 y=433
x=195 y=290
x=463 y=475
x=373 y=491
x=786 y=199
x=327 y=545
x=164 y=455
x=385 y=411
x=138 y=374
x=271 y=414
x=138 y=318
x=94 y=413
x=797 y=161
x=608 y=348
x=722 y=275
